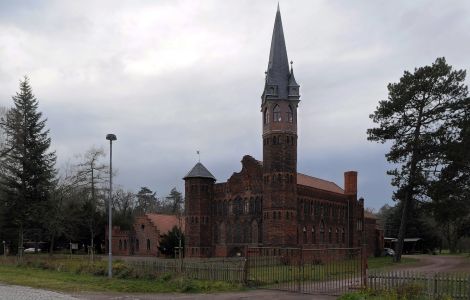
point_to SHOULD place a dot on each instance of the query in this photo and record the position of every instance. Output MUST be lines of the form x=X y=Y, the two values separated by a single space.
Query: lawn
x=386 y=262
x=71 y=282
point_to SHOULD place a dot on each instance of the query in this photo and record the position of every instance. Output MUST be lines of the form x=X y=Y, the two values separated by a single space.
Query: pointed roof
x=278 y=65
x=199 y=171
x=292 y=81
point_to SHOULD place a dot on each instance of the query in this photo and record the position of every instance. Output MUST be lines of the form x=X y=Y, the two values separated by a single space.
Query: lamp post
x=110 y=137
x=4 y=250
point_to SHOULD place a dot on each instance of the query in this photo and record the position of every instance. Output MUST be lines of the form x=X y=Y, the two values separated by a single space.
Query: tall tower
x=280 y=100
x=199 y=192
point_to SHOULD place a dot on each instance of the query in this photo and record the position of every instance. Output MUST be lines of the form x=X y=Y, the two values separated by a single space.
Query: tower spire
x=278 y=66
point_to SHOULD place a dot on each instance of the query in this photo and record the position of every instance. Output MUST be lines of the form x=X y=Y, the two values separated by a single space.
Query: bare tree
x=90 y=177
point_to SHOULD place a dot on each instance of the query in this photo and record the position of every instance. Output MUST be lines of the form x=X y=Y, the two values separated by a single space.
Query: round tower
x=279 y=114
x=199 y=191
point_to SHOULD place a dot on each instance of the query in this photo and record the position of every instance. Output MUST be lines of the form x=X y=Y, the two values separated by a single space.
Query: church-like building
x=268 y=203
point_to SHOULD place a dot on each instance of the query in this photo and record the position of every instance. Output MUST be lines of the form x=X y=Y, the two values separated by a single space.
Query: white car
x=30 y=250
x=389 y=252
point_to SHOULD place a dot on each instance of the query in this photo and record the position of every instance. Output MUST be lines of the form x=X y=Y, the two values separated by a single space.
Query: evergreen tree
x=170 y=241
x=28 y=168
x=147 y=201
x=419 y=113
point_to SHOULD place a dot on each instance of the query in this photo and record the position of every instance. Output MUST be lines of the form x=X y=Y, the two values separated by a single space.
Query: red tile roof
x=164 y=223
x=318 y=183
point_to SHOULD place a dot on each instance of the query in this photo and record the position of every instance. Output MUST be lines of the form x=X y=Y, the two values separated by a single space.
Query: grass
x=386 y=262
x=72 y=282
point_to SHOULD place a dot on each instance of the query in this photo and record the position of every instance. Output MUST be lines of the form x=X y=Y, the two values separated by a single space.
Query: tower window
x=266 y=116
x=277 y=114
x=290 y=115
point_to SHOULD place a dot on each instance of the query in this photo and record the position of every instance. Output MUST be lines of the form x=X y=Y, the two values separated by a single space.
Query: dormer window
x=277 y=114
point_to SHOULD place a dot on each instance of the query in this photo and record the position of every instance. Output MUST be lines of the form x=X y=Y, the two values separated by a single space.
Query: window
x=314 y=238
x=136 y=245
x=125 y=244
x=342 y=235
x=142 y=226
x=329 y=236
x=304 y=230
x=277 y=114
x=266 y=116
x=337 y=235
x=148 y=245
x=120 y=245
x=290 y=115
x=322 y=232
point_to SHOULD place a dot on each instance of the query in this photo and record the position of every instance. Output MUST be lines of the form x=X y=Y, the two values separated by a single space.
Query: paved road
x=13 y=292
x=258 y=294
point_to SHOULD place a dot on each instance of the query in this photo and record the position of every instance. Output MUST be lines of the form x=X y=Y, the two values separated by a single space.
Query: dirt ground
x=438 y=263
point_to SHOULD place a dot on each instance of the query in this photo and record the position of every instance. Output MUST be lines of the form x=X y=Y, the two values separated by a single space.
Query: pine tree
x=422 y=109
x=28 y=168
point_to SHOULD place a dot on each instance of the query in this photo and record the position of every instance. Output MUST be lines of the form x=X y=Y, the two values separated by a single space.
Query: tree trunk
x=92 y=246
x=408 y=201
x=20 y=243
x=51 y=246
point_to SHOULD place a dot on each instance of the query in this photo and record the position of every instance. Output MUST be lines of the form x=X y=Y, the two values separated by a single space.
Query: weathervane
x=199 y=155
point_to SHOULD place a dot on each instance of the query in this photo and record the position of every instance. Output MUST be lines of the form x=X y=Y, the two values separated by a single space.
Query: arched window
x=266 y=116
x=343 y=238
x=277 y=114
x=337 y=235
x=136 y=245
x=329 y=236
x=290 y=115
x=148 y=245
x=125 y=244
x=120 y=245
x=322 y=232
x=304 y=230
x=314 y=238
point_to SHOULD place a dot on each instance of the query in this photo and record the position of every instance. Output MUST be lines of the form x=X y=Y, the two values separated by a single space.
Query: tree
x=123 y=209
x=173 y=203
x=90 y=178
x=170 y=241
x=147 y=201
x=3 y=115
x=451 y=192
x=420 y=110
x=28 y=167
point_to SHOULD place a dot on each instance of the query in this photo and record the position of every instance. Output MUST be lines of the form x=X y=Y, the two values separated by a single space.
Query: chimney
x=350 y=183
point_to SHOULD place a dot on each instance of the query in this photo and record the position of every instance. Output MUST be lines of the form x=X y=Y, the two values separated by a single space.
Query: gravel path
x=438 y=263
x=14 y=292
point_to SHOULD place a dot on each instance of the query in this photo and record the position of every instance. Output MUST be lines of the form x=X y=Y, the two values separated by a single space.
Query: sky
x=173 y=77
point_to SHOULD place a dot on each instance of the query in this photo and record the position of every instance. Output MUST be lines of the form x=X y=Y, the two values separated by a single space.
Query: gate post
x=364 y=266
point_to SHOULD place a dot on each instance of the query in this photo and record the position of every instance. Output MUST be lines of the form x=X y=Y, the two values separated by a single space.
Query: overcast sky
x=172 y=77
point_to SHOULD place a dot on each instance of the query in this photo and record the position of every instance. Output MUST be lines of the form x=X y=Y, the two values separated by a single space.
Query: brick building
x=268 y=203
x=144 y=237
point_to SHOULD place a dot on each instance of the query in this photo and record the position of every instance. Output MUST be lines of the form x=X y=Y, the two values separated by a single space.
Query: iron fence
x=313 y=271
x=431 y=285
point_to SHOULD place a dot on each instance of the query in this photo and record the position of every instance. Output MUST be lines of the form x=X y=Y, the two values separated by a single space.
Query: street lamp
x=110 y=137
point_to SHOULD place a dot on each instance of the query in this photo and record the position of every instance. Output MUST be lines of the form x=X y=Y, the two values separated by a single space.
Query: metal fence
x=432 y=286
x=230 y=270
x=314 y=271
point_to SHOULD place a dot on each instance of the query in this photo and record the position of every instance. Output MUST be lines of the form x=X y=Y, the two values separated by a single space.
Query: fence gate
x=331 y=271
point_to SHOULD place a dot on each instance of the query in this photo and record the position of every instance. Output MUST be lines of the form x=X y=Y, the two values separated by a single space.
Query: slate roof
x=318 y=183
x=278 y=65
x=164 y=223
x=199 y=171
